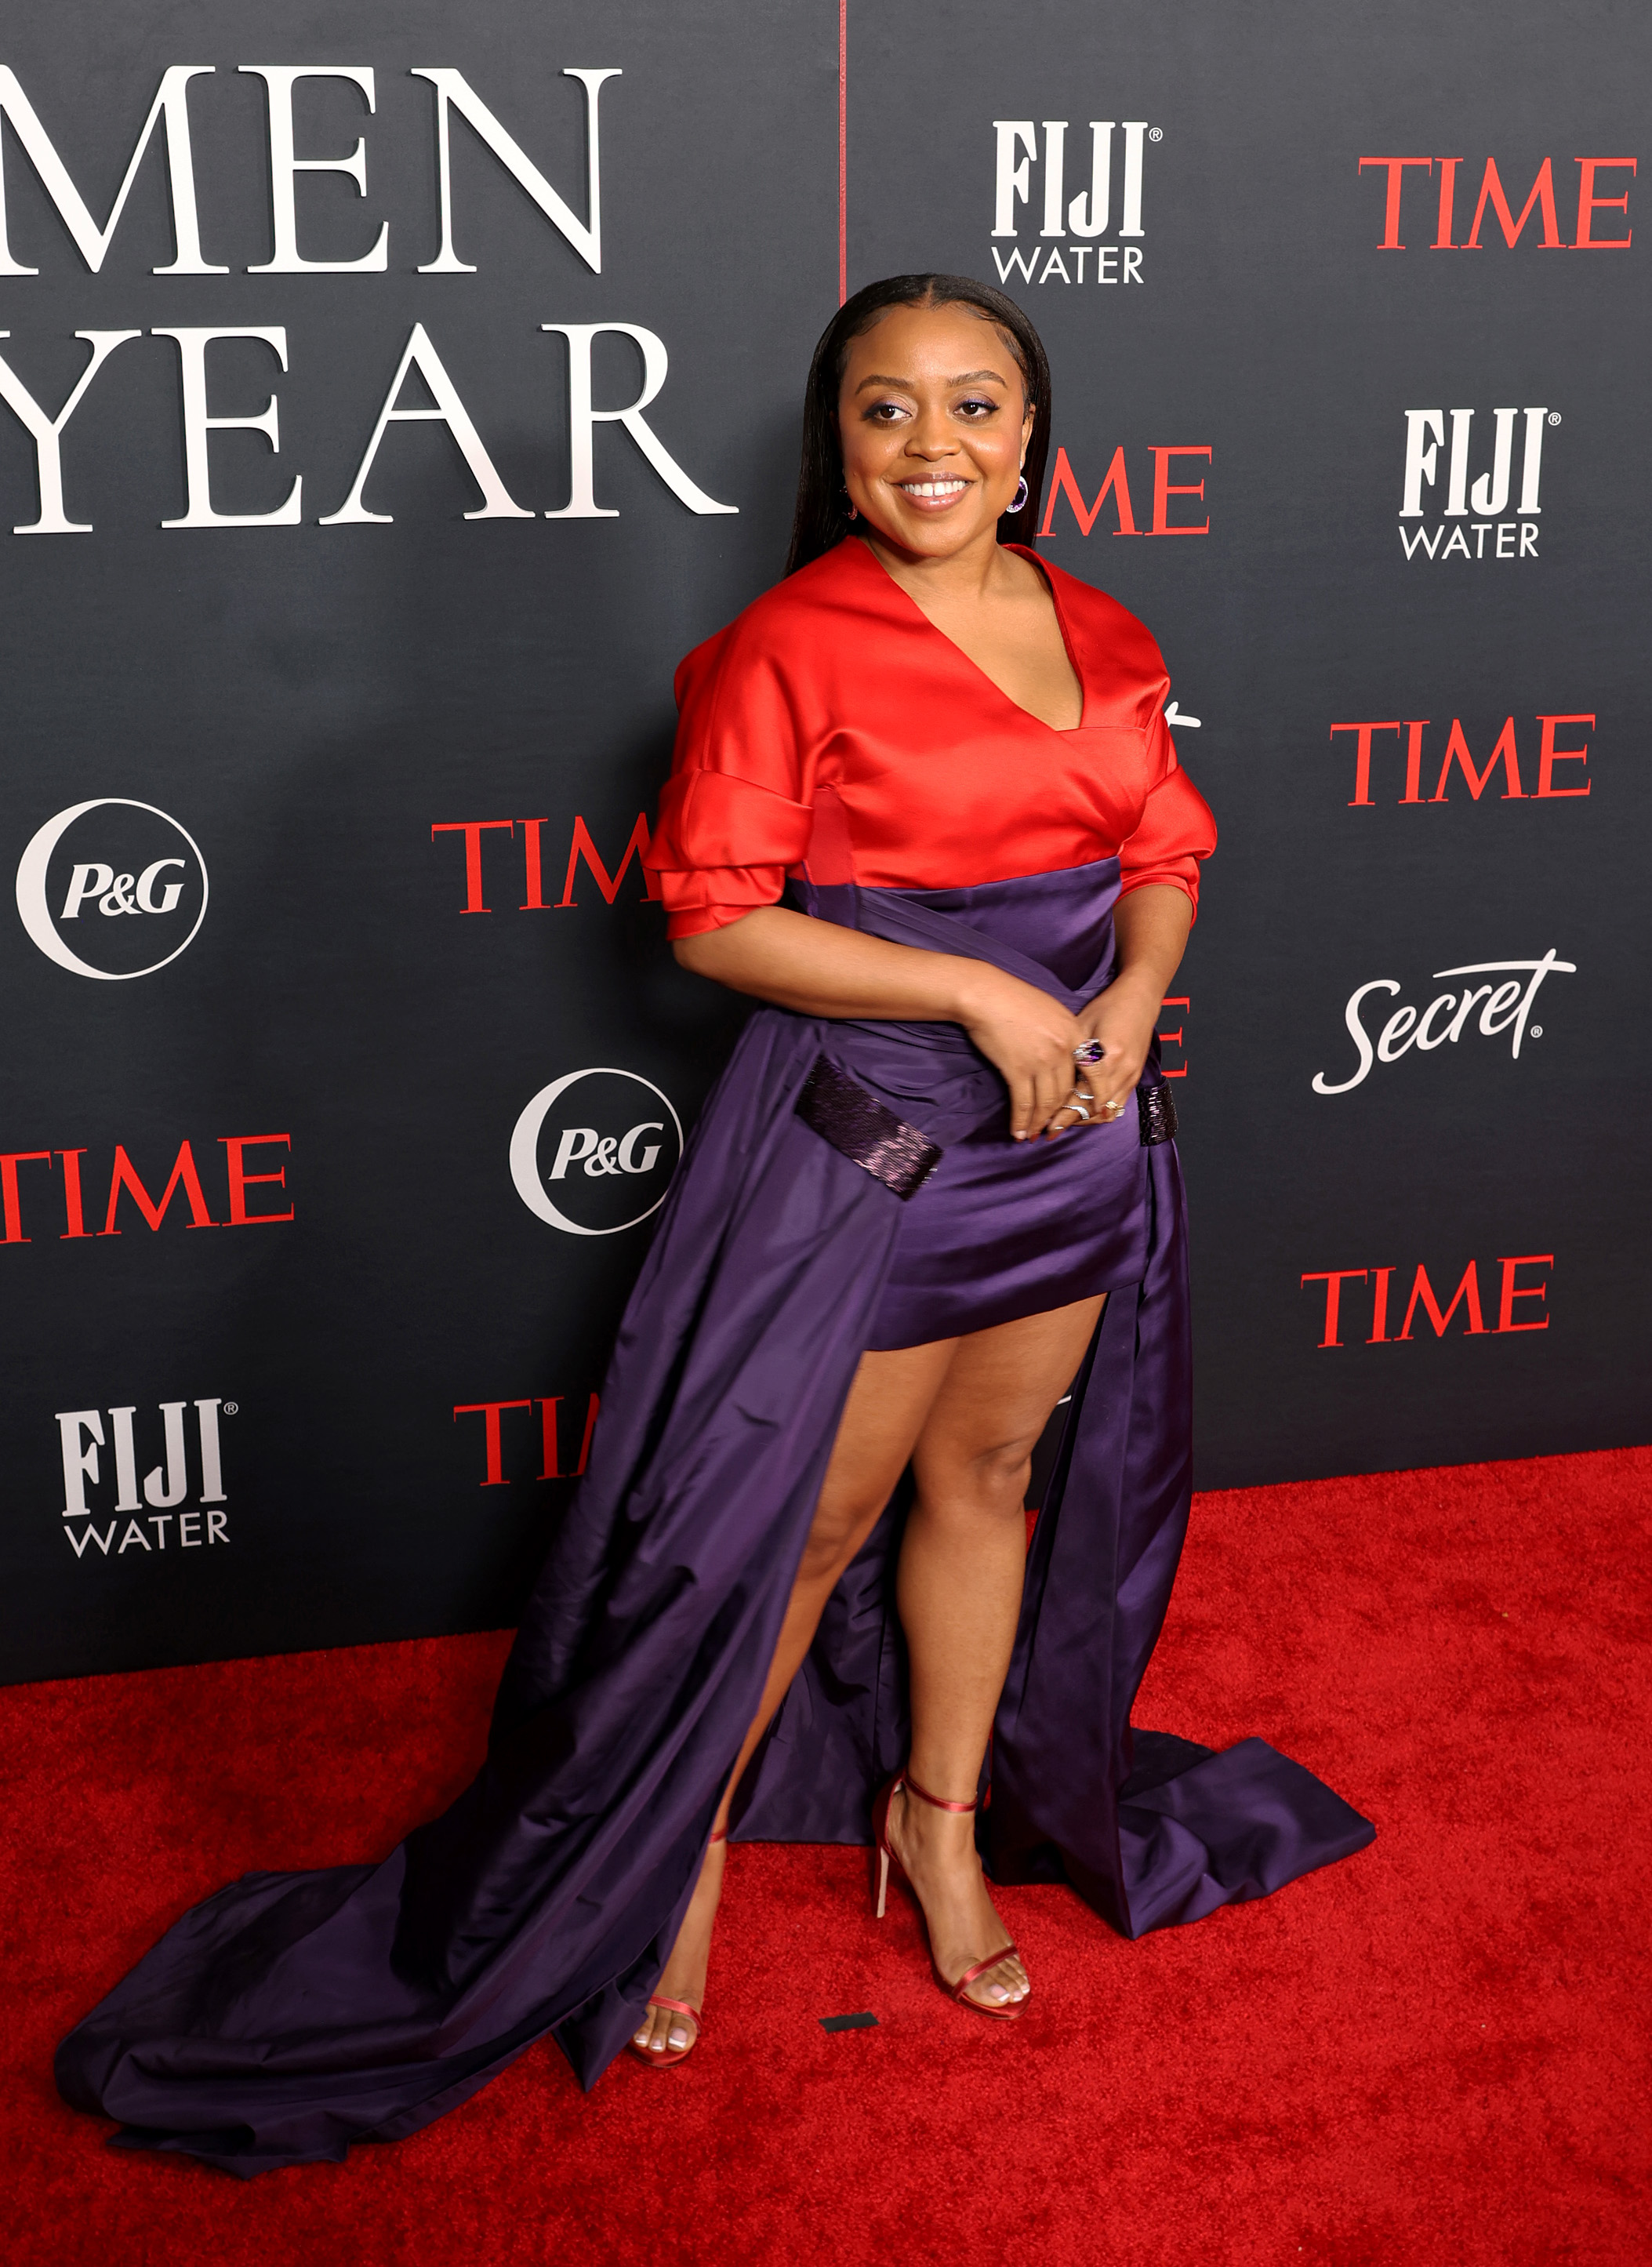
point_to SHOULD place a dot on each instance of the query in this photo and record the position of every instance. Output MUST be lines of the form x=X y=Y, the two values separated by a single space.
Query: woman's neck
x=978 y=570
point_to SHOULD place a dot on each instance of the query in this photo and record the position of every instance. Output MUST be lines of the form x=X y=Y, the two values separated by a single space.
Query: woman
x=919 y=1210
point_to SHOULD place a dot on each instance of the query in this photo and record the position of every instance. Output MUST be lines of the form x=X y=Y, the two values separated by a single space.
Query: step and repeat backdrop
x=389 y=396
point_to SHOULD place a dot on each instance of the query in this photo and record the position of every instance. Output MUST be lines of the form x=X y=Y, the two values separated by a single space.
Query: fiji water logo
x=1477 y=514
x=1083 y=209
x=99 y=1456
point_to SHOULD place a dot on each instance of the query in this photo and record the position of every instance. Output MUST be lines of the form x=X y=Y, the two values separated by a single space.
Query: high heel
x=955 y=1990
x=662 y=2059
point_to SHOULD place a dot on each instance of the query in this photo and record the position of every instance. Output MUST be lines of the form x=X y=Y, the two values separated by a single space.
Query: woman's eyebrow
x=906 y=385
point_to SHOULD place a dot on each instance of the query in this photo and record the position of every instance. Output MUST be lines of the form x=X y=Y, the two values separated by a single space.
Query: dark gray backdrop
x=309 y=702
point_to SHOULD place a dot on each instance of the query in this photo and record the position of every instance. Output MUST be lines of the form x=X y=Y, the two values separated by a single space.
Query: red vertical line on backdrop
x=843 y=150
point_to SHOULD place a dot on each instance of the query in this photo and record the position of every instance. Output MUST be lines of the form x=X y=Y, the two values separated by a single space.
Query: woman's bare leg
x=967 y=1412
x=888 y=1402
x=962 y=1565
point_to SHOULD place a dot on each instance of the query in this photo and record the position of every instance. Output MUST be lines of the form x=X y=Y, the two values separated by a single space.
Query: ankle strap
x=934 y=1800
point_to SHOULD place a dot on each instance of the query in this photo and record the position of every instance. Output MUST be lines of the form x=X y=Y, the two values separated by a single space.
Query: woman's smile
x=931 y=492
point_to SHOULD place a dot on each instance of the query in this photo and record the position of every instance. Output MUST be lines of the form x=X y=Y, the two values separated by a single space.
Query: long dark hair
x=822 y=518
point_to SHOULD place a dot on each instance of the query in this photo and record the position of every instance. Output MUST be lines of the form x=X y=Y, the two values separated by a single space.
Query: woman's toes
x=1003 y=1986
x=665 y=2033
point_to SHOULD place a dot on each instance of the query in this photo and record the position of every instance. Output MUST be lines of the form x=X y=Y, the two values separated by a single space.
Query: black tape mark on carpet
x=847 y=2023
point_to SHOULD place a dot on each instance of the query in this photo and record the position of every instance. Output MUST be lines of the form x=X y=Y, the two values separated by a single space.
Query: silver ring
x=1081 y=1108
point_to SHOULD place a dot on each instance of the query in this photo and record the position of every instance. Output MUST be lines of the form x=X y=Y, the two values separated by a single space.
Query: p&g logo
x=88 y=869
x=594 y=1153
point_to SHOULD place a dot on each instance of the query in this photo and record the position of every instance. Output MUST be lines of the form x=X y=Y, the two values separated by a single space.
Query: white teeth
x=934 y=488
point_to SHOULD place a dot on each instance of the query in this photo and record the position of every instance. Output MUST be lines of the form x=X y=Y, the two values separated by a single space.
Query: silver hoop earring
x=1019 y=501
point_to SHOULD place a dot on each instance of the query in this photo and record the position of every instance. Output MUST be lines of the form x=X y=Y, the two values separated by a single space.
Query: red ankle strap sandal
x=662 y=2059
x=955 y=1988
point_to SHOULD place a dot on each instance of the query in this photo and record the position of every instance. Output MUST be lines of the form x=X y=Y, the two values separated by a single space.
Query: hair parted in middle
x=822 y=518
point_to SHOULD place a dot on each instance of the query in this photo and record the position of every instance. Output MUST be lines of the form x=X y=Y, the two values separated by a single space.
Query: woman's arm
x=819 y=969
x=1151 y=925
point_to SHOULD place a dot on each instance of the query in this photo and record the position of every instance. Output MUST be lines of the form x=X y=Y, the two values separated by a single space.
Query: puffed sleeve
x=735 y=813
x=1176 y=830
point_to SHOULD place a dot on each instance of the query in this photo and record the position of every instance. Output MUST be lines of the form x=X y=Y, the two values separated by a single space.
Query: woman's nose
x=931 y=438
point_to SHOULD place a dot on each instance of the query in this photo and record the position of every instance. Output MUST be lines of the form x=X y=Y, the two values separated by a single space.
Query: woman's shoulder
x=1119 y=655
x=1095 y=611
x=780 y=629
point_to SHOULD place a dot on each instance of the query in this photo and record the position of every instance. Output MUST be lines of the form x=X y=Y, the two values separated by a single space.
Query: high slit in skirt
x=294 y=2014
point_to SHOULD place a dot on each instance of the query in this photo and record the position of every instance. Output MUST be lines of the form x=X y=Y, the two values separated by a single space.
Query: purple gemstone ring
x=1091 y=1052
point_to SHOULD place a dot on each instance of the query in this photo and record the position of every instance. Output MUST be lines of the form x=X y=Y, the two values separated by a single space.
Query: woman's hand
x=1029 y=1040
x=1123 y=1019
x=1151 y=924
x=816 y=968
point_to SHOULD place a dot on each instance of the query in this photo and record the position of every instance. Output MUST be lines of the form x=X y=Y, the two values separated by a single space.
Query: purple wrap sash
x=293 y=2013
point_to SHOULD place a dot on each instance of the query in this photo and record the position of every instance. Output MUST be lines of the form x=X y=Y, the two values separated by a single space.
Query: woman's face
x=933 y=422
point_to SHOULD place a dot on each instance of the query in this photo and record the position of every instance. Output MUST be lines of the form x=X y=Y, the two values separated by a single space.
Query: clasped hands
x=1030 y=1038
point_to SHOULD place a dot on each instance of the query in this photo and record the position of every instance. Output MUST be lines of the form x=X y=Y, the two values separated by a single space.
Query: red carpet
x=1436 y=2052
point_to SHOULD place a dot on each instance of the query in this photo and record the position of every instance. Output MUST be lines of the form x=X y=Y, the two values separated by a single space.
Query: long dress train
x=293 y=2013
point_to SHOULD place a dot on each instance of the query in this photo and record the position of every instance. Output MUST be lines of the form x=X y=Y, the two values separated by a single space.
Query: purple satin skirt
x=291 y=2014
x=1005 y=1228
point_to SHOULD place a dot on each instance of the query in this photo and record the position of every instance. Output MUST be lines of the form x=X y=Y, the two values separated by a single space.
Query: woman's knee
x=840 y=1527
x=986 y=1479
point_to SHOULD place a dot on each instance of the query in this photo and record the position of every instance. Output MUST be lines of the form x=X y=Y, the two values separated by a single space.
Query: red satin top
x=832 y=728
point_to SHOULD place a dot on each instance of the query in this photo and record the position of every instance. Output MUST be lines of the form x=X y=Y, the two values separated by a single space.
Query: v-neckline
x=969 y=661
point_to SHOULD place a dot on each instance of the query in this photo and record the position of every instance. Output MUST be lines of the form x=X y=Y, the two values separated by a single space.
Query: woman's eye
x=885 y=412
x=976 y=409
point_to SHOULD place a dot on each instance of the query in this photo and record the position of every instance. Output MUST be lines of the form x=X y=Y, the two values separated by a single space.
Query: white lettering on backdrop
x=454 y=96
x=1502 y=1007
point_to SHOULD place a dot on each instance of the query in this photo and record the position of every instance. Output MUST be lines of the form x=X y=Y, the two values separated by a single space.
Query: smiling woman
x=925 y=807
x=1012 y=344
x=930 y=459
